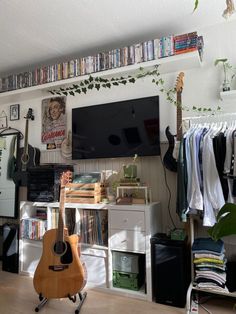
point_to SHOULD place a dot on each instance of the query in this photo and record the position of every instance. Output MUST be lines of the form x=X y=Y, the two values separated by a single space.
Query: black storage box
x=44 y=182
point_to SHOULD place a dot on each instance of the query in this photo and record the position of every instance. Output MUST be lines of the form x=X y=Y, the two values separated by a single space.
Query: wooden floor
x=17 y=296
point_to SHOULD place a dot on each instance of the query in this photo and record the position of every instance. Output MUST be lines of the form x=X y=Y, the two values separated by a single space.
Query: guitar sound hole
x=60 y=247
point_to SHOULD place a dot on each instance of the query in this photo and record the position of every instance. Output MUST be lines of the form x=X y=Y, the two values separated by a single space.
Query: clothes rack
x=220 y=117
x=226 y=118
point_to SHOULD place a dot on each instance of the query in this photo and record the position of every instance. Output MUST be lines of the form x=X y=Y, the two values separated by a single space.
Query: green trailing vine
x=98 y=83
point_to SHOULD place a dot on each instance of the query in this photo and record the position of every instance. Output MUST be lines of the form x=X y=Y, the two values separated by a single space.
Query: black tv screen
x=118 y=129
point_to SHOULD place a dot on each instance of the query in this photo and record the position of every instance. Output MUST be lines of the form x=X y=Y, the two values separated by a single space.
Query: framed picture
x=14 y=112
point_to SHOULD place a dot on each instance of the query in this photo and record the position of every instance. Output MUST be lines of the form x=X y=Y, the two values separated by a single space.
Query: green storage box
x=127 y=280
x=127 y=262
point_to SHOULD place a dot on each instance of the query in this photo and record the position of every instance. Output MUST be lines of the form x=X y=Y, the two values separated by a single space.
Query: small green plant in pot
x=228 y=73
x=130 y=170
x=225 y=222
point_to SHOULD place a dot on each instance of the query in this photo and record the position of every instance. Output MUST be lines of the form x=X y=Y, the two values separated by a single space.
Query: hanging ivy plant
x=99 y=82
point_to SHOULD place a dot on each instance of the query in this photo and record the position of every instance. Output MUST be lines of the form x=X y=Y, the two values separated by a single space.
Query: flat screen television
x=118 y=129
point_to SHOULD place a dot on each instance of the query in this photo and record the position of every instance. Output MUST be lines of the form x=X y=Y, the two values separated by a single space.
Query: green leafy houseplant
x=228 y=73
x=225 y=222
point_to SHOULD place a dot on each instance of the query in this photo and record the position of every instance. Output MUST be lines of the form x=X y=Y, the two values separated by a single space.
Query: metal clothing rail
x=221 y=117
x=191 y=121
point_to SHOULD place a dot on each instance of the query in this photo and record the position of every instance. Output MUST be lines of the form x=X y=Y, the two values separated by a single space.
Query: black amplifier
x=44 y=182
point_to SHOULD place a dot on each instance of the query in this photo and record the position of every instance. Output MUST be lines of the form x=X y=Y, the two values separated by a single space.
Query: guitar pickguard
x=67 y=258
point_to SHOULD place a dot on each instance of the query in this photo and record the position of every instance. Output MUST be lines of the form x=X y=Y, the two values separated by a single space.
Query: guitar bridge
x=58 y=267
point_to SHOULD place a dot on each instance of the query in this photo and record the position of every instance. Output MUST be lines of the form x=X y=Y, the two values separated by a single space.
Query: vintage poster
x=53 y=121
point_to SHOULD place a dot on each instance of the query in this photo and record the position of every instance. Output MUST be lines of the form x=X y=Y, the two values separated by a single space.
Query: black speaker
x=44 y=182
x=170 y=270
x=10 y=254
x=231 y=276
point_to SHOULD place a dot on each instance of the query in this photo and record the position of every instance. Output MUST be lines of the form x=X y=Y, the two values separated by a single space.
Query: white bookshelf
x=137 y=222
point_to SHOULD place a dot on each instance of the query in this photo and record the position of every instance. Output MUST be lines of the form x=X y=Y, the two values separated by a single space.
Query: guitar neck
x=24 y=158
x=60 y=231
x=179 y=117
x=26 y=136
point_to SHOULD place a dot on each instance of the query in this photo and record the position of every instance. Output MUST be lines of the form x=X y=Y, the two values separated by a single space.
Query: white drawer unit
x=125 y=240
x=127 y=220
x=130 y=230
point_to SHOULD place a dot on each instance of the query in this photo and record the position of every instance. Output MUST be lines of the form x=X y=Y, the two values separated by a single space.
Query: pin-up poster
x=53 y=121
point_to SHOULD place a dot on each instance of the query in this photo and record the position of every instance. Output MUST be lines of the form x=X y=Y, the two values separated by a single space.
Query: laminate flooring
x=17 y=296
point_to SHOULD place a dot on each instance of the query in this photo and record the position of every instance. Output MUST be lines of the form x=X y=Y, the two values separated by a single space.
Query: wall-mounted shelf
x=228 y=96
x=175 y=63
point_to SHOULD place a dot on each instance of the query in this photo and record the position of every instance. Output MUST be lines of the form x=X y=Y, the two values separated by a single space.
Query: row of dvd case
x=120 y=57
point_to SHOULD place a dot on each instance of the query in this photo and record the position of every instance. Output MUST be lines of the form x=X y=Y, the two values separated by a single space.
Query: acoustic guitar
x=27 y=157
x=171 y=155
x=60 y=272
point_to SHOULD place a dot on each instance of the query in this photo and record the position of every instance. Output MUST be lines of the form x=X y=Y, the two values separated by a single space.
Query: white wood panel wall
x=150 y=172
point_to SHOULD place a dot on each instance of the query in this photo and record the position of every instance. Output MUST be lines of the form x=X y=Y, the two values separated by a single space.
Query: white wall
x=201 y=88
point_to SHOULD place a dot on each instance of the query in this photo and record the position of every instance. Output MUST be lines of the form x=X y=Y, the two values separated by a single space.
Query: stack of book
x=129 y=182
x=33 y=228
x=186 y=42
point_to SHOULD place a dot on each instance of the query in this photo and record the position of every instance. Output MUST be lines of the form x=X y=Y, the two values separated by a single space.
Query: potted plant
x=130 y=170
x=225 y=222
x=228 y=73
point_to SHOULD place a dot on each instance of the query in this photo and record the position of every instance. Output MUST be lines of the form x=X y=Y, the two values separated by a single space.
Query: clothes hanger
x=10 y=129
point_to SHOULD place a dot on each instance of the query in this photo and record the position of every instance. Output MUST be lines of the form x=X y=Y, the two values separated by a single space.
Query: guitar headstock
x=29 y=115
x=180 y=83
x=66 y=177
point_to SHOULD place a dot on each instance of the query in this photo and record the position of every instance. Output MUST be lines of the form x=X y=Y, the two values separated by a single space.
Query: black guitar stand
x=81 y=295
